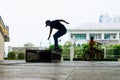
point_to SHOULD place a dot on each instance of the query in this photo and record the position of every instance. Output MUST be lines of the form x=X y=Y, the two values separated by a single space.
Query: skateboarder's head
x=47 y=23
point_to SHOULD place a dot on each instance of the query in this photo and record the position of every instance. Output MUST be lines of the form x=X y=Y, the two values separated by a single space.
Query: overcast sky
x=26 y=18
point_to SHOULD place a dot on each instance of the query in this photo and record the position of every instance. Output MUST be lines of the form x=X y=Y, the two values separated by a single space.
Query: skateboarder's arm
x=63 y=21
x=50 y=33
x=98 y=43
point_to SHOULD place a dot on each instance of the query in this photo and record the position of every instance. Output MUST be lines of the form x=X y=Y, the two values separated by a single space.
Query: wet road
x=77 y=70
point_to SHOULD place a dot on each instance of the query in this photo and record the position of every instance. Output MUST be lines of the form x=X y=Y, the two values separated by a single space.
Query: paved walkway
x=76 y=70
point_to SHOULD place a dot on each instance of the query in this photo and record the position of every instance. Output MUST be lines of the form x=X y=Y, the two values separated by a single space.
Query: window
x=110 y=36
x=96 y=36
x=80 y=36
x=107 y=36
x=113 y=36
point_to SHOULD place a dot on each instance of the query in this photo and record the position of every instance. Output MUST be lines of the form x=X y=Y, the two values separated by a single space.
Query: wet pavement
x=66 y=70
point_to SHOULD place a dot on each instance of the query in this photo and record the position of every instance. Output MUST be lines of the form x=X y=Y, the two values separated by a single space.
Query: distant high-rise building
x=117 y=19
x=107 y=19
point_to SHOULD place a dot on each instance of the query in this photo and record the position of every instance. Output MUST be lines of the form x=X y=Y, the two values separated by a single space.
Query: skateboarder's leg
x=58 y=34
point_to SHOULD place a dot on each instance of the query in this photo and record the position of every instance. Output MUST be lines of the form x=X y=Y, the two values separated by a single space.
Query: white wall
x=1 y=47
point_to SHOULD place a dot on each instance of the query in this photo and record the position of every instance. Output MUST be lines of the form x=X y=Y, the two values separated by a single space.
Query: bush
x=52 y=47
x=21 y=55
x=85 y=47
x=11 y=55
x=110 y=54
x=117 y=47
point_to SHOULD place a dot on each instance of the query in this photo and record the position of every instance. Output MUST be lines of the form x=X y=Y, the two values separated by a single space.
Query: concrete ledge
x=42 y=56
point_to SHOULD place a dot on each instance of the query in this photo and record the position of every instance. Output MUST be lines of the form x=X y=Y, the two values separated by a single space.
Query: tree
x=66 y=49
x=68 y=44
x=28 y=45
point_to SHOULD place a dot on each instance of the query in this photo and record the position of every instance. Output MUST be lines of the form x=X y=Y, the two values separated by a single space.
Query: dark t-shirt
x=57 y=25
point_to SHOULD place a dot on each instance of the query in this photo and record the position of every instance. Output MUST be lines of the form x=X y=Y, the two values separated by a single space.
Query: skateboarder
x=61 y=30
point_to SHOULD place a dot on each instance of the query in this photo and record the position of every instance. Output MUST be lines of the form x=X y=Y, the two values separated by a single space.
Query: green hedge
x=52 y=47
x=117 y=51
x=21 y=56
x=110 y=53
x=11 y=55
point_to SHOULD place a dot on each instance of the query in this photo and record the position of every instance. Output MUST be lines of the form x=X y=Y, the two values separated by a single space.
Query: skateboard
x=56 y=51
x=56 y=55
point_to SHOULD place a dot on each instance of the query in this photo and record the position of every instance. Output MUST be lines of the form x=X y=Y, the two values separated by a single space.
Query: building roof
x=98 y=26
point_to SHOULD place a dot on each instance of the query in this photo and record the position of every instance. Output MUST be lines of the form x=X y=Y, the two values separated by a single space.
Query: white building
x=4 y=37
x=102 y=32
